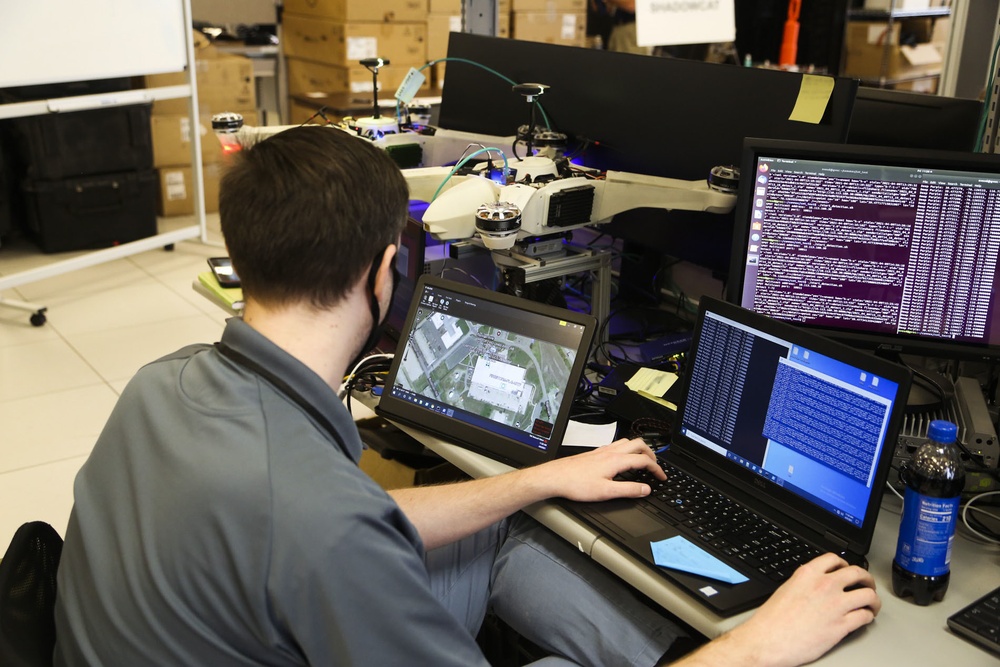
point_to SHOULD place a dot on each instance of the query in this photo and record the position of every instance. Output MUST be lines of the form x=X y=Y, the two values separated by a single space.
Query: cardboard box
x=388 y=473
x=344 y=44
x=438 y=78
x=551 y=6
x=305 y=77
x=933 y=30
x=568 y=29
x=203 y=47
x=445 y=7
x=455 y=7
x=176 y=194
x=439 y=26
x=869 y=42
x=361 y=11
x=300 y=112
x=172 y=139
x=225 y=83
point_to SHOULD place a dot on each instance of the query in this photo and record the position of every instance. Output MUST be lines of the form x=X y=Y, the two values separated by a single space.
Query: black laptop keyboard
x=720 y=521
x=980 y=621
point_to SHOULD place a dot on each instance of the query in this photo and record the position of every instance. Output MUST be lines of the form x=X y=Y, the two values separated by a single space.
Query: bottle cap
x=942 y=431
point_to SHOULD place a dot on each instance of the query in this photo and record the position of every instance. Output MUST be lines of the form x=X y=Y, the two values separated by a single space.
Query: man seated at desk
x=222 y=518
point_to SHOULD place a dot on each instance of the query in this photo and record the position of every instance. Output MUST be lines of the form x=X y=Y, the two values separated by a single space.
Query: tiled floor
x=59 y=382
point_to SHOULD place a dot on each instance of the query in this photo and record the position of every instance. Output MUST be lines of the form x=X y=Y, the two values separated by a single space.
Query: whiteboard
x=51 y=41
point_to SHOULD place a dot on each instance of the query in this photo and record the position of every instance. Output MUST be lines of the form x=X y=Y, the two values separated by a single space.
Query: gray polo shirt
x=217 y=523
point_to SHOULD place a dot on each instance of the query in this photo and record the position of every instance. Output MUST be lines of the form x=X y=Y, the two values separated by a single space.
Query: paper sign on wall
x=359 y=48
x=569 y=26
x=176 y=189
x=665 y=22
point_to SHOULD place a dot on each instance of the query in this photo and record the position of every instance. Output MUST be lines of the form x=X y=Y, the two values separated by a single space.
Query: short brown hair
x=306 y=211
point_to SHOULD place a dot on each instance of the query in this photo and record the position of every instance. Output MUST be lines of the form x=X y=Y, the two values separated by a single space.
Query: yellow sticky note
x=651 y=381
x=656 y=399
x=814 y=95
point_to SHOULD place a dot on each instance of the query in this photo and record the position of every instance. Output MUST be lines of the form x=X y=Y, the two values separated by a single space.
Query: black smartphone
x=224 y=272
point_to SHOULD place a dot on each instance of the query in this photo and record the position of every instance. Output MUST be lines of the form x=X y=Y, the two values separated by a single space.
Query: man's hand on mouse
x=824 y=601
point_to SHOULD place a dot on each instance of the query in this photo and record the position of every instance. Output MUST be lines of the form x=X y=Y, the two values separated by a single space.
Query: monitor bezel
x=886 y=344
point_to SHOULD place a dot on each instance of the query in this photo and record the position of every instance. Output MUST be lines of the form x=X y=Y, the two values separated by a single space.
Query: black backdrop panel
x=660 y=116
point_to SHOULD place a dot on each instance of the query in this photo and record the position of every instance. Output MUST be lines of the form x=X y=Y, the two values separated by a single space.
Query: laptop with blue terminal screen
x=780 y=451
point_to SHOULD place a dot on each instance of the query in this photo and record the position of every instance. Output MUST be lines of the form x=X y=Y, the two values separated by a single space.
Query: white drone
x=537 y=195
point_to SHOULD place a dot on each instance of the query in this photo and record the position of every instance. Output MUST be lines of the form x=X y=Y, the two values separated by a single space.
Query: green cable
x=461 y=163
x=545 y=116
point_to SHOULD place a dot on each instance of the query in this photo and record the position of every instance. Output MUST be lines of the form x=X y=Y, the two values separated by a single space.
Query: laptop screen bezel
x=475 y=438
x=810 y=518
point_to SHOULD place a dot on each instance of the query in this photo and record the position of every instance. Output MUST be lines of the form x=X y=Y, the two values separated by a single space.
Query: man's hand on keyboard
x=824 y=601
x=591 y=476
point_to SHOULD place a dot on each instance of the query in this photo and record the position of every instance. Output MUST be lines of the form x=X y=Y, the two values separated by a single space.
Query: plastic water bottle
x=934 y=479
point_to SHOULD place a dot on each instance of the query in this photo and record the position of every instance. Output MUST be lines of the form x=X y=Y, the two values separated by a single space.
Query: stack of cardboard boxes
x=553 y=21
x=225 y=83
x=324 y=40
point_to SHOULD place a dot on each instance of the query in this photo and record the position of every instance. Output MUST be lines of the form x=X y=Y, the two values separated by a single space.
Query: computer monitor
x=891 y=249
x=884 y=117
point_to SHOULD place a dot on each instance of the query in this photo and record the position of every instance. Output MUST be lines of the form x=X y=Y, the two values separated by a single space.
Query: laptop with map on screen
x=489 y=371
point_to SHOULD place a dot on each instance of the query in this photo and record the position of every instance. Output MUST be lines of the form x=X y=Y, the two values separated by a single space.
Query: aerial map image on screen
x=503 y=376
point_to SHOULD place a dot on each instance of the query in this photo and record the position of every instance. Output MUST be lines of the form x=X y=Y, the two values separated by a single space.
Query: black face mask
x=375 y=333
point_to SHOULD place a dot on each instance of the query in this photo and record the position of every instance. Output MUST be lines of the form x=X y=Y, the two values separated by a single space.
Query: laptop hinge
x=836 y=541
x=676 y=451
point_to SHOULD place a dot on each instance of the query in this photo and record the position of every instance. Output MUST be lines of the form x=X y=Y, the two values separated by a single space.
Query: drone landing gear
x=521 y=272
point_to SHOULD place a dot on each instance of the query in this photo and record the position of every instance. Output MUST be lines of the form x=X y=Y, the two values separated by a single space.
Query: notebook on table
x=489 y=371
x=780 y=451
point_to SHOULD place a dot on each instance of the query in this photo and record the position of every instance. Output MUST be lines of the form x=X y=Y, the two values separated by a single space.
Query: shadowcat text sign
x=665 y=22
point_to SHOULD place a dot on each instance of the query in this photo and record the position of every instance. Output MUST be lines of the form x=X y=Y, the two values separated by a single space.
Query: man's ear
x=384 y=276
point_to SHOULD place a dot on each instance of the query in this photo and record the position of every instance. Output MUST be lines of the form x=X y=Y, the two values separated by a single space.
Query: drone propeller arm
x=624 y=191
x=423 y=182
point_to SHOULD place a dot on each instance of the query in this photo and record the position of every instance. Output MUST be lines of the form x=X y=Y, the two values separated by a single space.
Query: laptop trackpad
x=633 y=521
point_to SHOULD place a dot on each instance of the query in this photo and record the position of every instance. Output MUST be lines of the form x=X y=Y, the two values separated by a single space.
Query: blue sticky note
x=679 y=554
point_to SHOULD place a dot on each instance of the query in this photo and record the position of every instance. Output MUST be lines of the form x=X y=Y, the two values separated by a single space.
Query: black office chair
x=28 y=595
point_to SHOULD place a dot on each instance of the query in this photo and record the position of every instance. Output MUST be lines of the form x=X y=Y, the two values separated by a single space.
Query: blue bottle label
x=926 y=533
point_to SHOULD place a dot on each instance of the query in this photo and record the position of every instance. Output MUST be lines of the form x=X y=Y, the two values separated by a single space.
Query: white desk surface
x=903 y=633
